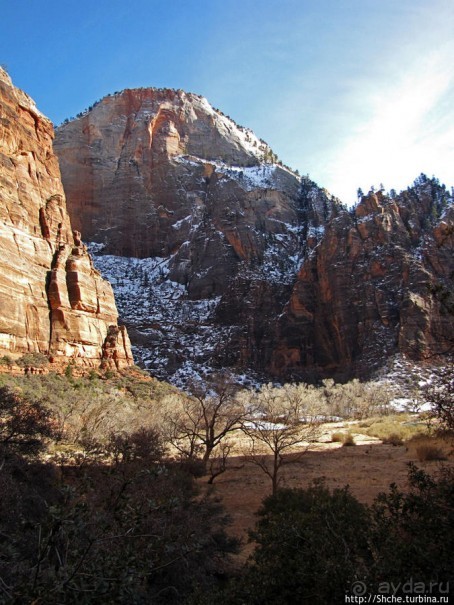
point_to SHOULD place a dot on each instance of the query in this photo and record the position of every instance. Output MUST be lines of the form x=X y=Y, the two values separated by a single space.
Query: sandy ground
x=368 y=468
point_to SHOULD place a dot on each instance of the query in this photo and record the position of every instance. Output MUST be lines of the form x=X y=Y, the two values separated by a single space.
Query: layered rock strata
x=52 y=300
x=230 y=259
x=371 y=287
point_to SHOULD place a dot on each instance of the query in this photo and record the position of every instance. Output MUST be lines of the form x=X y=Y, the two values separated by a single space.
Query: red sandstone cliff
x=146 y=171
x=370 y=287
x=249 y=266
x=52 y=299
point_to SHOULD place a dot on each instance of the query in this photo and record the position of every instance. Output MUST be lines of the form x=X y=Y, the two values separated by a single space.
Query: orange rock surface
x=52 y=300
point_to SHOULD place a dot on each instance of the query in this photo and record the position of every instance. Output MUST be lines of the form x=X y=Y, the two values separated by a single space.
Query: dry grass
x=348 y=440
x=430 y=452
x=395 y=429
x=428 y=448
x=337 y=437
x=393 y=439
x=368 y=468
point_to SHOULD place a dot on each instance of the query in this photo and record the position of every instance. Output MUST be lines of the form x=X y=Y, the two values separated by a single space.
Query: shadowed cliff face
x=370 y=288
x=52 y=300
x=221 y=257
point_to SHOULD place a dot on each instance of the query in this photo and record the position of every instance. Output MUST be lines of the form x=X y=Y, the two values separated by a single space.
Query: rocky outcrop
x=160 y=174
x=145 y=170
x=222 y=257
x=369 y=287
x=52 y=299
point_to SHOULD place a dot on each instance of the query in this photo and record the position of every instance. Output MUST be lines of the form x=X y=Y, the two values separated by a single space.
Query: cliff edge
x=52 y=299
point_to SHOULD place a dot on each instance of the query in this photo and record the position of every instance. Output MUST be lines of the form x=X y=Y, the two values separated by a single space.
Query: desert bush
x=395 y=427
x=429 y=452
x=24 y=425
x=128 y=534
x=337 y=437
x=87 y=408
x=355 y=399
x=145 y=444
x=135 y=531
x=348 y=440
x=302 y=537
x=35 y=360
x=393 y=439
x=440 y=394
x=344 y=438
x=428 y=447
x=6 y=360
x=412 y=532
x=313 y=544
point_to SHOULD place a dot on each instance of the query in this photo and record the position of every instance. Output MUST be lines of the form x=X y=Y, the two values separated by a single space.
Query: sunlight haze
x=353 y=93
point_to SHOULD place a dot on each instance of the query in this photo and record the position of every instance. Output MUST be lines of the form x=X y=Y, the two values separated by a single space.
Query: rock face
x=52 y=300
x=159 y=173
x=375 y=284
x=222 y=257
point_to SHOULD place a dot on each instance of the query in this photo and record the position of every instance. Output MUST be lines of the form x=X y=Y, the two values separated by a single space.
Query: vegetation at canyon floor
x=100 y=505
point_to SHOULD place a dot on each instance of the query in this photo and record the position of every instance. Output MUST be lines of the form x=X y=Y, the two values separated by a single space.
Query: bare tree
x=199 y=424
x=283 y=419
x=356 y=399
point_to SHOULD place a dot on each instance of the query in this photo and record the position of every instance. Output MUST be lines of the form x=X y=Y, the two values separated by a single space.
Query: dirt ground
x=368 y=468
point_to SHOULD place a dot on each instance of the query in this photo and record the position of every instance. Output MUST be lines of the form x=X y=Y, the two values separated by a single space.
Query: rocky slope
x=52 y=299
x=377 y=283
x=222 y=257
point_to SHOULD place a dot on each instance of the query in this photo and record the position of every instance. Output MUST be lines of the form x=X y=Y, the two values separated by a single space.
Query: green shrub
x=413 y=531
x=6 y=361
x=34 y=360
x=302 y=536
x=314 y=546
x=93 y=375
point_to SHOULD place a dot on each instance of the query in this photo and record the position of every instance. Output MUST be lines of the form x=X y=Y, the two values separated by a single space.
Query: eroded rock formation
x=370 y=288
x=52 y=300
x=222 y=257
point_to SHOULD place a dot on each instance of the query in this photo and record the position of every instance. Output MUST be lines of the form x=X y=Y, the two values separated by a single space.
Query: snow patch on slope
x=262 y=176
x=176 y=337
x=244 y=137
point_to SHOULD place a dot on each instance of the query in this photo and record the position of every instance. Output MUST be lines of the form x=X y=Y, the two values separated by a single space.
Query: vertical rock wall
x=250 y=266
x=52 y=300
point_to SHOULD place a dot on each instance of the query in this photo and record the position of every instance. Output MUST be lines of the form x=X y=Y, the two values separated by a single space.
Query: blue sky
x=352 y=92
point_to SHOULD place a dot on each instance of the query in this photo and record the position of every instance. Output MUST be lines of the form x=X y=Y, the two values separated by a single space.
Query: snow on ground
x=408 y=379
x=175 y=337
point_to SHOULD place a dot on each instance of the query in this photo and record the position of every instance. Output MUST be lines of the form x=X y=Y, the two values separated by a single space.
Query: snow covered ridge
x=262 y=176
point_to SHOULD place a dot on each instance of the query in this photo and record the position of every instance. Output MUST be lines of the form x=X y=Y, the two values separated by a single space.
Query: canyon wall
x=222 y=257
x=52 y=299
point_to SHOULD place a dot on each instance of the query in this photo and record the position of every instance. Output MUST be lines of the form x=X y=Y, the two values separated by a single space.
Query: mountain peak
x=233 y=260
